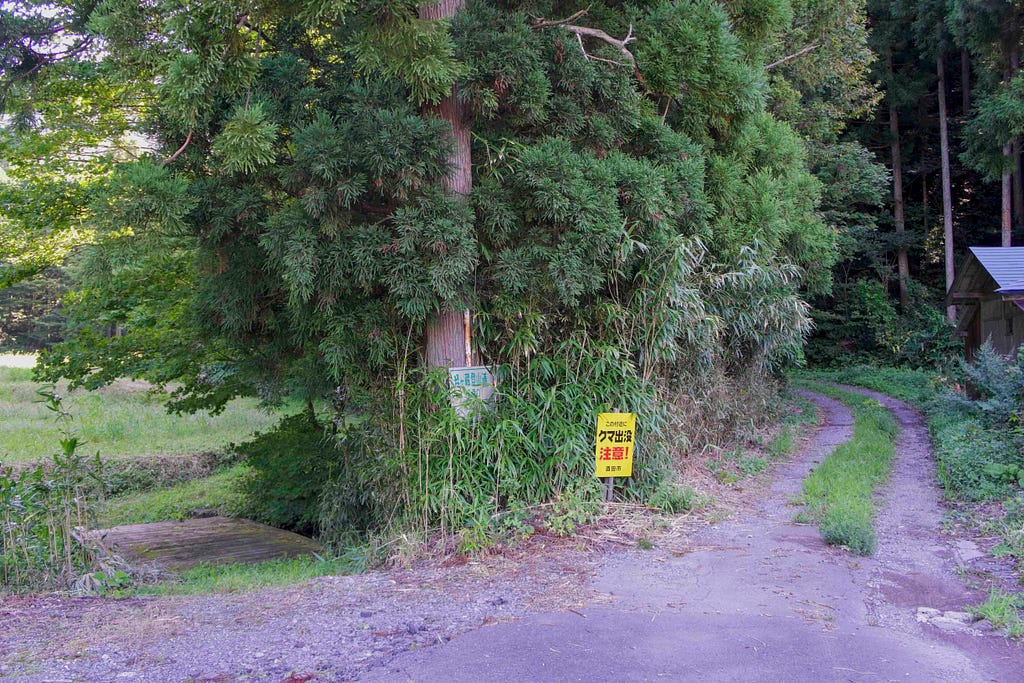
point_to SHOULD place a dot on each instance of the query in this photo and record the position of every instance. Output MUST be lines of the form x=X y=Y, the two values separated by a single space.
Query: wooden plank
x=208 y=540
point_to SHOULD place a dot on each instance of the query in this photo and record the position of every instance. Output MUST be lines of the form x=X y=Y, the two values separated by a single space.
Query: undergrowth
x=742 y=461
x=974 y=420
x=839 y=493
x=419 y=465
x=45 y=512
x=218 y=494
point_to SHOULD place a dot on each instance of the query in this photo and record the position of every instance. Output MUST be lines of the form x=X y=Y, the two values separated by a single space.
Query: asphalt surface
x=760 y=599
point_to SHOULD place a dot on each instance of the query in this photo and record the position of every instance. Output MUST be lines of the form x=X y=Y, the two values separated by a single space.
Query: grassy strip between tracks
x=839 y=494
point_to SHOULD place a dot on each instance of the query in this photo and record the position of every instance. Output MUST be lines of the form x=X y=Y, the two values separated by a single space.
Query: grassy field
x=17 y=360
x=126 y=419
x=220 y=493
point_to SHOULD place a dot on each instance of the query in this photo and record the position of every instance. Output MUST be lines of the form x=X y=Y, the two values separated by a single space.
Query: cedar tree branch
x=188 y=139
x=787 y=58
x=595 y=33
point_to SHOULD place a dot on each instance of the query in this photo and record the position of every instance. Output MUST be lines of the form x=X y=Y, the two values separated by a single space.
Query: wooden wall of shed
x=1002 y=323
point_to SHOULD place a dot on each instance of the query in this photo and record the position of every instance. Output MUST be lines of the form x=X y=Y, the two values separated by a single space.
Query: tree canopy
x=643 y=218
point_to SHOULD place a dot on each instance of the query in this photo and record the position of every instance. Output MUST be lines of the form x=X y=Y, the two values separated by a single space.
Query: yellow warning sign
x=615 y=437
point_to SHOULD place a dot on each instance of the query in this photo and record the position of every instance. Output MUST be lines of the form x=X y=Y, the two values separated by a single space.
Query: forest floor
x=754 y=597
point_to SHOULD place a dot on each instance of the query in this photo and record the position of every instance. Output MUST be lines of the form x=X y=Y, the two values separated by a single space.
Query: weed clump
x=1002 y=610
x=45 y=512
x=672 y=498
x=839 y=493
x=849 y=528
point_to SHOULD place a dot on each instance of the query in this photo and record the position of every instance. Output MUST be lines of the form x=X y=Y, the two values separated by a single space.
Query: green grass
x=839 y=493
x=238 y=578
x=219 y=494
x=1002 y=610
x=917 y=387
x=802 y=414
x=125 y=419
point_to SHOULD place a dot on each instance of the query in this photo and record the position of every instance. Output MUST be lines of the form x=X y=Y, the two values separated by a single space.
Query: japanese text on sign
x=469 y=385
x=614 y=449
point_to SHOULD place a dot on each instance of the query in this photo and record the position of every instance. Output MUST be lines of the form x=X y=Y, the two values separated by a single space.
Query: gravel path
x=328 y=629
x=754 y=598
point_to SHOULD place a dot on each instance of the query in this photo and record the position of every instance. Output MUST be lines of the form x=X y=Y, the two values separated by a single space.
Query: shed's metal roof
x=1015 y=288
x=1004 y=264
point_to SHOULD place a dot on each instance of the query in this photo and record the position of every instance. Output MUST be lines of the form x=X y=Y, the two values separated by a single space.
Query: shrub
x=999 y=384
x=291 y=466
x=977 y=442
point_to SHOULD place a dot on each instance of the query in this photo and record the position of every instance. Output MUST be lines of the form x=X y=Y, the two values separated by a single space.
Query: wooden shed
x=989 y=295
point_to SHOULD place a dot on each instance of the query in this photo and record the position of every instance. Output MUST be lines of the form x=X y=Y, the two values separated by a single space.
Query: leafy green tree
x=66 y=119
x=602 y=187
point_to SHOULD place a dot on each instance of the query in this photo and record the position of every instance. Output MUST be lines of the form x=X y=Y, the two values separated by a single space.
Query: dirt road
x=752 y=599
x=760 y=599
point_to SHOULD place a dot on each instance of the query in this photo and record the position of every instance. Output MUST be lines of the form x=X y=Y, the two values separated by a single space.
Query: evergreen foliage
x=639 y=220
x=30 y=313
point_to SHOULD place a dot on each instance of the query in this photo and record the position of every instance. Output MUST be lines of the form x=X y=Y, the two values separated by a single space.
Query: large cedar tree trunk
x=1018 y=183
x=947 y=195
x=1006 y=214
x=902 y=262
x=965 y=81
x=448 y=340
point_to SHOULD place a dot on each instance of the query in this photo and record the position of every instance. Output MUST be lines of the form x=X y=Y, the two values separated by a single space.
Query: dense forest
x=644 y=206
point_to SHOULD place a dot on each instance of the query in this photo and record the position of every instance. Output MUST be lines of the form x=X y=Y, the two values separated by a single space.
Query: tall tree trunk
x=1006 y=215
x=448 y=335
x=965 y=80
x=902 y=262
x=1018 y=183
x=947 y=194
